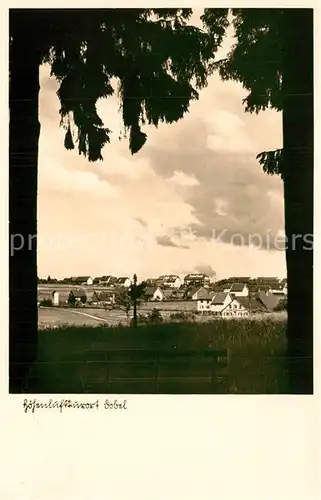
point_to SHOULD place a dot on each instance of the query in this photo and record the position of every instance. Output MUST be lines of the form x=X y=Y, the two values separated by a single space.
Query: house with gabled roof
x=82 y=280
x=264 y=288
x=112 y=281
x=177 y=294
x=77 y=295
x=153 y=293
x=219 y=302
x=244 y=306
x=103 y=298
x=269 y=301
x=107 y=280
x=194 y=293
x=123 y=281
x=103 y=280
x=169 y=281
x=258 y=287
x=199 y=279
x=152 y=281
x=241 y=307
x=279 y=289
x=204 y=300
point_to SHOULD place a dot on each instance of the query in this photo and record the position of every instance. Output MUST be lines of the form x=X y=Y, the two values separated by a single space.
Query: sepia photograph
x=161 y=170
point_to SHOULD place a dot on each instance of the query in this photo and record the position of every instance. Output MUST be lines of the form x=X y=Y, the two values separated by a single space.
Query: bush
x=153 y=317
x=182 y=316
x=142 y=318
x=282 y=305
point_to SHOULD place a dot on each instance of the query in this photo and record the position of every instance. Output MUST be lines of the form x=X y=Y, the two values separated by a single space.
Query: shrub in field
x=182 y=316
x=153 y=317
x=142 y=318
x=282 y=305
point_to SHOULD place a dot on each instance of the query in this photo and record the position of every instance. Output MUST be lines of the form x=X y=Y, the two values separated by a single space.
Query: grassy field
x=255 y=351
x=60 y=317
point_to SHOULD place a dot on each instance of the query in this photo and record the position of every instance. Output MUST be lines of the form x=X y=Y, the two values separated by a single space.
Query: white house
x=154 y=293
x=124 y=281
x=279 y=288
x=82 y=280
x=284 y=285
x=102 y=298
x=241 y=307
x=197 y=280
x=204 y=300
x=219 y=302
x=236 y=309
x=55 y=298
x=239 y=290
x=263 y=289
x=196 y=293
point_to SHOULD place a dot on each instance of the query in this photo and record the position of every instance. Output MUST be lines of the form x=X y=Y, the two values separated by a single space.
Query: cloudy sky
x=193 y=199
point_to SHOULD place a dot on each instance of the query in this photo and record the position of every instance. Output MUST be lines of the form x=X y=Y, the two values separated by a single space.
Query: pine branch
x=271 y=161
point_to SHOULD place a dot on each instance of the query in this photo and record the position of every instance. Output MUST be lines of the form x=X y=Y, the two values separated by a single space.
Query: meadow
x=255 y=350
x=61 y=317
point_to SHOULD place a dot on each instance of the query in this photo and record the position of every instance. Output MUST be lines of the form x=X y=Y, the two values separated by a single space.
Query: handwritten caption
x=32 y=405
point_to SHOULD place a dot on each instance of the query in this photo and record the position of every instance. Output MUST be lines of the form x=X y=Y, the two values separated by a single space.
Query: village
x=234 y=297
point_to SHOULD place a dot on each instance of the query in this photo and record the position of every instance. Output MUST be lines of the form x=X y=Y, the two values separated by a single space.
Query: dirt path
x=90 y=316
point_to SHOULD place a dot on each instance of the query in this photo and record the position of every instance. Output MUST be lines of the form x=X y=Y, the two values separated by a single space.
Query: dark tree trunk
x=135 y=314
x=24 y=132
x=298 y=193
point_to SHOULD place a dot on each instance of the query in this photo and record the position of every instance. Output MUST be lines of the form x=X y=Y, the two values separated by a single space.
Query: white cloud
x=117 y=166
x=57 y=178
x=227 y=133
x=238 y=143
x=99 y=204
x=220 y=206
x=224 y=122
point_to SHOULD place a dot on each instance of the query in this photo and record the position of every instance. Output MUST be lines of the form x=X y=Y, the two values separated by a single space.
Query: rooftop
x=237 y=287
x=219 y=298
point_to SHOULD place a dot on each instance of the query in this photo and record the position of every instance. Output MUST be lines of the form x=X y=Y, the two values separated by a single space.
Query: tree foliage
x=282 y=305
x=71 y=299
x=158 y=60
x=271 y=162
x=126 y=298
x=123 y=300
x=255 y=60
